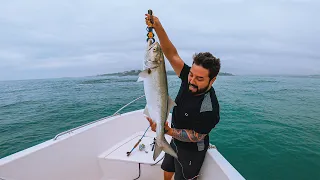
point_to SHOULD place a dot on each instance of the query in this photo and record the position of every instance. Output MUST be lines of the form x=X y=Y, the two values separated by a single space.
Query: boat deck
x=116 y=160
x=98 y=151
x=119 y=151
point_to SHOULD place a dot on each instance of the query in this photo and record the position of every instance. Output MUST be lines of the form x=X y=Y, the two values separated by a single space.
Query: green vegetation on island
x=136 y=72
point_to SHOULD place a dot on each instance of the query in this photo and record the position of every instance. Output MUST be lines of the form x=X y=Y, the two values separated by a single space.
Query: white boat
x=98 y=151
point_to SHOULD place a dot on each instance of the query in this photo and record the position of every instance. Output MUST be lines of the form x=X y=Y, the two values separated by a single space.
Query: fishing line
x=177 y=160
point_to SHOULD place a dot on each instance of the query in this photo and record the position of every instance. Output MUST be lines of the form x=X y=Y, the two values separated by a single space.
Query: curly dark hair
x=207 y=61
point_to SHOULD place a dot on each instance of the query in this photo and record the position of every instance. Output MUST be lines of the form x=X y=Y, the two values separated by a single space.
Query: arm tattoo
x=187 y=135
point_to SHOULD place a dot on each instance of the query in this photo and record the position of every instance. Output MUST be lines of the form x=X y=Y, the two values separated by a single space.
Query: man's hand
x=153 y=125
x=185 y=135
x=156 y=22
x=167 y=47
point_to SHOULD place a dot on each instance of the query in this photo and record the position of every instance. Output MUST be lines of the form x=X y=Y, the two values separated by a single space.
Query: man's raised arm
x=167 y=47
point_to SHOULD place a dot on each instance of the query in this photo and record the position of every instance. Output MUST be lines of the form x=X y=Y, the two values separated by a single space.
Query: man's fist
x=156 y=22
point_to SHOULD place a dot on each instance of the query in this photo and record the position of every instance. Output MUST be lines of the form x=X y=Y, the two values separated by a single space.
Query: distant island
x=136 y=72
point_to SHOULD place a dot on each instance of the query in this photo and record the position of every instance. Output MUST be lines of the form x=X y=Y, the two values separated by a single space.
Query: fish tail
x=165 y=146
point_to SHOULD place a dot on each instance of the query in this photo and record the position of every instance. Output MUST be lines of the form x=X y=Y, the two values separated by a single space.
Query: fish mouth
x=152 y=45
x=153 y=56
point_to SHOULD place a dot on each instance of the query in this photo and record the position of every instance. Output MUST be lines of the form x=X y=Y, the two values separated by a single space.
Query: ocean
x=269 y=126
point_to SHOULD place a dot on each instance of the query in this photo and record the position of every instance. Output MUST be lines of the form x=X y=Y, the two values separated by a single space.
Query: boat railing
x=114 y=114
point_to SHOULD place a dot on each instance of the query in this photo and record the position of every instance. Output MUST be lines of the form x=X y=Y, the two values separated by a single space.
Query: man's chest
x=187 y=110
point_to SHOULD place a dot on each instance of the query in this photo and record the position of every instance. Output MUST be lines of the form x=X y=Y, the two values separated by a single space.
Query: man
x=197 y=110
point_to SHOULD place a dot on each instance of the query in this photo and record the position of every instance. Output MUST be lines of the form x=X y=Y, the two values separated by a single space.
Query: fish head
x=154 y=56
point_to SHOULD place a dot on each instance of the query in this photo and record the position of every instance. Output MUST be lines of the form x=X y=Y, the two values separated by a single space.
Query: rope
x=128 y=104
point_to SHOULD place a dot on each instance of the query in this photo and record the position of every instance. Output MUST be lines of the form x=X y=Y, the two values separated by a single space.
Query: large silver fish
x=159 y=103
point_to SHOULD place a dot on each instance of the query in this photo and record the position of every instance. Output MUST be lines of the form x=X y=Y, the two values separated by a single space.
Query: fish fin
x=166 y=148
x=157 y=151
x=146 y=111
x=171 y=103
x=143 y=74
x=140 y=79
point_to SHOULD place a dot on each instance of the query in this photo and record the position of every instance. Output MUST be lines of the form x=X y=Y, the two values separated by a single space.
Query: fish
x=158 y=101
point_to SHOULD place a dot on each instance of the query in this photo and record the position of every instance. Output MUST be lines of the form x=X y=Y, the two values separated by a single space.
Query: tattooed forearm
x=187 y=135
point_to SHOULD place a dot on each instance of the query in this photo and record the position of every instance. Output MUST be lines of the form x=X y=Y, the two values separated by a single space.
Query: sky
x=63 y=38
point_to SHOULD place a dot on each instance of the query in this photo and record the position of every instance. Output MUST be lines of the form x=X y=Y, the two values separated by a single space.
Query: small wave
x=289 y=90
x=126 y=80
x=21 y=103
x=99 y=81
x=305 y=76
x=16 y=90
x=94 y=81
x=263 y=81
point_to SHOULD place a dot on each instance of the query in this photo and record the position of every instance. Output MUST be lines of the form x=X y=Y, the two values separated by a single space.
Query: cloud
x=43 y=39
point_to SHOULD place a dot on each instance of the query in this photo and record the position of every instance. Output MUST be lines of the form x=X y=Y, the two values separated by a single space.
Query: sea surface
x=269 y=127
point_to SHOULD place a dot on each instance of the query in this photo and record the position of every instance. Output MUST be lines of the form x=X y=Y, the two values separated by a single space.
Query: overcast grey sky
x=63 y=38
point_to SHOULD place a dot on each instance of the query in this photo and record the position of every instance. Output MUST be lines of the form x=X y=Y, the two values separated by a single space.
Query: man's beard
x=199 y=91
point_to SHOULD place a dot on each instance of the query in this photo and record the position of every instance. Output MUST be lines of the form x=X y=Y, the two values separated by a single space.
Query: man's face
x=199 y=80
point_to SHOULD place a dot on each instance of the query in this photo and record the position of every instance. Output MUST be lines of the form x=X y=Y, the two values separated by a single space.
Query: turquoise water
x=269 y=127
